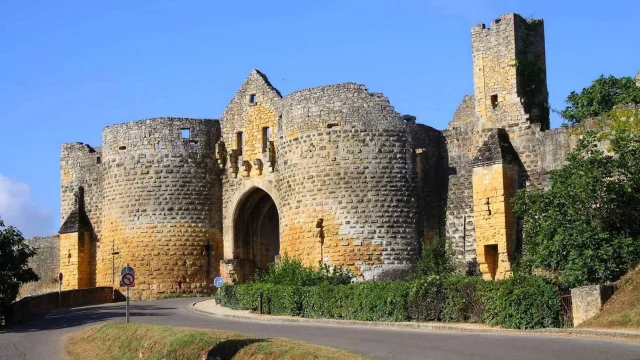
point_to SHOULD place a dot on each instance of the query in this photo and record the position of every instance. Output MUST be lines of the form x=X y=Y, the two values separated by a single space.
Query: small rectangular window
x=186 y=133
x=159 y=145
x=239 y=142
x=253 y=99
x=98 y=160
x=266 y=136
x=494 y=100
x=122 y=147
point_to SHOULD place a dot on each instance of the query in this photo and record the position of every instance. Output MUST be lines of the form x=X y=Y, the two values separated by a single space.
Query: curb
x=418 y=326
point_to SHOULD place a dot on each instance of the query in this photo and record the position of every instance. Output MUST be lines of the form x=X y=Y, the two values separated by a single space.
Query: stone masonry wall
x=46 y=263
x=431 y=170
x=460 y=149
x=346 y=183
x=75 y=260
x=81 y=165
x=255 y=165
x=159 y=205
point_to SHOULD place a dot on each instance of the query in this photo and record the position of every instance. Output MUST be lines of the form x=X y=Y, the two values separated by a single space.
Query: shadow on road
x=229 y=348
x=68 y=318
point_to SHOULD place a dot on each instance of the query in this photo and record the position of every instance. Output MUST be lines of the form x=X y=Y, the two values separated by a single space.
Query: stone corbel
x=221 y=155
x=246 y=168
x=233 y=163
x=257 y=163
x=271 y=162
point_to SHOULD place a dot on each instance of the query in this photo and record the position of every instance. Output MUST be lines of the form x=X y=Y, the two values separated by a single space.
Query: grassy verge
x=622 y=311
x=119 y=341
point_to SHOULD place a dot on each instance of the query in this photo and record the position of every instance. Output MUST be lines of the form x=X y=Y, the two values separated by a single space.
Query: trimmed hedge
x=522 y=302
x=519 y=302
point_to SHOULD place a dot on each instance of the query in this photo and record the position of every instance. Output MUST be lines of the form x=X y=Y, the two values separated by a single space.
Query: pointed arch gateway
x=256 y=228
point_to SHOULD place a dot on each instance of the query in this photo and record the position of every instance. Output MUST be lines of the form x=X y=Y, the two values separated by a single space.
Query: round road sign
x=128 y=279
x=127 y=269
x=218 y=282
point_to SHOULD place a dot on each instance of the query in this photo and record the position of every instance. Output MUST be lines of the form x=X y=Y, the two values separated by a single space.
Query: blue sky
x=70 y=68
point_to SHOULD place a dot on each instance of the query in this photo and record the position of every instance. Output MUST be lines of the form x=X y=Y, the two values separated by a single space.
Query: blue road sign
x=218 y=282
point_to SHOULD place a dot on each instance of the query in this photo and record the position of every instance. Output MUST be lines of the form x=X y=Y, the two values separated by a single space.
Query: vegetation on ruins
x=600 y=97
x=436 y=257
x=14 y=257
x=584 y=228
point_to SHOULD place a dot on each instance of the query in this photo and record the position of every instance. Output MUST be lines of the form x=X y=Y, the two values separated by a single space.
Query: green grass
x=118 y=341
x=622 y=311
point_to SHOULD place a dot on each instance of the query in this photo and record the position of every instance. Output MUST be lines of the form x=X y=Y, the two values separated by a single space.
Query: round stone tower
x=159 y=195
x=345 y=180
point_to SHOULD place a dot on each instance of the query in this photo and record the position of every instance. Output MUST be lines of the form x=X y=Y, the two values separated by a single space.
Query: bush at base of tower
x=523 y=302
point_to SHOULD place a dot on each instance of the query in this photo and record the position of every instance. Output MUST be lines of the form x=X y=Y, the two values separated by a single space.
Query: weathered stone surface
x=330 y=175
x=587 y=301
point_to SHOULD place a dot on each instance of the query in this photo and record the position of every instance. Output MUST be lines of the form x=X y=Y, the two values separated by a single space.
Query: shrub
x=461 y=301
x=292 y=272
x=276 y=299
x=379 y=301
x=521 y=302
x=327 y=301
x=425 y=299
x=436 y=258
x=226 y=296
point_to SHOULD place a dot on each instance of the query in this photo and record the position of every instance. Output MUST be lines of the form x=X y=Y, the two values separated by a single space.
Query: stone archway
x=256 y=229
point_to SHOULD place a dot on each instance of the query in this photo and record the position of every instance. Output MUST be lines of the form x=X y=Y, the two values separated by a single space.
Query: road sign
x=218 y=282
x=127 y=269
x=60 y=277
x=128 y=280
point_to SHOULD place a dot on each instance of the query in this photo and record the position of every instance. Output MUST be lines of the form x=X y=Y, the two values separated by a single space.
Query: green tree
x=14 y=257
x=600 y=97
x=584 y=229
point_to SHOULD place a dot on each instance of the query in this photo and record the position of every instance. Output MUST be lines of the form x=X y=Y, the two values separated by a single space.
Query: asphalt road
x=43 y=338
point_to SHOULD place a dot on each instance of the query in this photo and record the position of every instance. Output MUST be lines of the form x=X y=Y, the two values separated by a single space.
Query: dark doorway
x=491 y=257
x=257 y=229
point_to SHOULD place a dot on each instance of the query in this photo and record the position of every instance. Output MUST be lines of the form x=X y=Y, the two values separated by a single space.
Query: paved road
x=43 y=338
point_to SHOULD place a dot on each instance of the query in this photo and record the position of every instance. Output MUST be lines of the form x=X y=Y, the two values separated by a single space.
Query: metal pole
x=127 y=307
x=59 y=293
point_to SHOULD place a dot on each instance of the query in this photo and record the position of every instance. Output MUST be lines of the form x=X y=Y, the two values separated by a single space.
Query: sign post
x=127 y=279
x=59 y=289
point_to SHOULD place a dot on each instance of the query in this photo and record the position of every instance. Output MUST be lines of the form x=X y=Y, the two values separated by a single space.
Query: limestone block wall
x=159 y=213
x=253 y=109
x=431 y=171
x=46 y=262
x=587 y=301
x=81 y=165
x=506 y=58
x=461 y=144
x=75 y=259
x=346 y=180
x=495 y=223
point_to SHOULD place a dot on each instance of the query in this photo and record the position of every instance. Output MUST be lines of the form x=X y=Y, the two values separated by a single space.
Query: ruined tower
x=509 y=72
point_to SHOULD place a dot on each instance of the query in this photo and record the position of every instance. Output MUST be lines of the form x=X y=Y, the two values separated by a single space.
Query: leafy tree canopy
x=14 y=258
x=584 y=229
x=600 y=97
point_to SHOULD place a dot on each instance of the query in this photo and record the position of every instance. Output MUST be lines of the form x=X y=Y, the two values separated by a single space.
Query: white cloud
x=17 y=208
